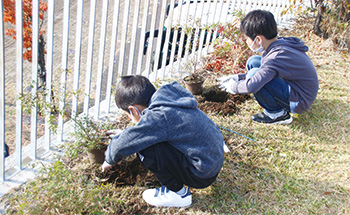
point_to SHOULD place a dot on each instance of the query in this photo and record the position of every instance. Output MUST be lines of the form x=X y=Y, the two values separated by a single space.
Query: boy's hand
x=114 y=132
x=227 y=86
x=227 y=78
x=106 y=166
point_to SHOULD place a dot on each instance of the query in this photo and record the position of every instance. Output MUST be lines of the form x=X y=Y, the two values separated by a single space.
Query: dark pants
x=171 y=167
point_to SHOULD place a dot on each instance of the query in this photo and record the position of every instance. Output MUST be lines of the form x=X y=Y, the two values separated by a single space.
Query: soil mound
x=215 y=100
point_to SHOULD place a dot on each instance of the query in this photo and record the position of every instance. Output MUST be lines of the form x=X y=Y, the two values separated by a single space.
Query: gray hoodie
x=172 y=116
x=286 y=59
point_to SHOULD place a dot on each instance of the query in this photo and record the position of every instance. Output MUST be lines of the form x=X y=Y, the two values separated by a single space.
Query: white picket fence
x=89 y=44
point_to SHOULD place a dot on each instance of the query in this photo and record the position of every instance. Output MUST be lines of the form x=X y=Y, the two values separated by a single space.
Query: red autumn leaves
x=9 y=13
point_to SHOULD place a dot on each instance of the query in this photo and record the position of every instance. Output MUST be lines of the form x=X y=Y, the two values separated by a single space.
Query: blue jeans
x=274 y=96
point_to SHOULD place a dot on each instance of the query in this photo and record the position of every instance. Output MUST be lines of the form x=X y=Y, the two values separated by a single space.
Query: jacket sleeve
x=254 y=83
x=269 y=69
x=150 y=130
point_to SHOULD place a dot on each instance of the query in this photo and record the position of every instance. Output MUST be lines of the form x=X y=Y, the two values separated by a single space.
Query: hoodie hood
x=173 y=95
x=292 y=42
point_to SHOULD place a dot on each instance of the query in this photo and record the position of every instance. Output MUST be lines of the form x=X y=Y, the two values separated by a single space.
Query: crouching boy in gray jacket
x=175 y=140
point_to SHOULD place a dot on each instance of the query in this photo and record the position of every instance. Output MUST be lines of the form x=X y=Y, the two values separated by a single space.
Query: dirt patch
x=129 y=171
x=214 y=100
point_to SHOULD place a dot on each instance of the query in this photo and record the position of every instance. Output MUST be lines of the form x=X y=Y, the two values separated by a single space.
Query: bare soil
x=129 y=171
x=214 y=100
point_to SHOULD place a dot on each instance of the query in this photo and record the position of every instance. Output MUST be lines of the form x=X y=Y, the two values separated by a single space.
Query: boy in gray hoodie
x=283 y=79
x=175 y=140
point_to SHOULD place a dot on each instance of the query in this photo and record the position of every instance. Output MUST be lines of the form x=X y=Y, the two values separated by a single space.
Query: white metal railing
x=71 y=43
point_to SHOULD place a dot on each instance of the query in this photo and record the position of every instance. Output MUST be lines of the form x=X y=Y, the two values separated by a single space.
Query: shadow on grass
x=327 y=119
x=243 y=188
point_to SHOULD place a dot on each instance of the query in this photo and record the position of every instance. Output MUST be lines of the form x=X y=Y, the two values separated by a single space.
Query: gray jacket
x=285 y=58
x=172 y=116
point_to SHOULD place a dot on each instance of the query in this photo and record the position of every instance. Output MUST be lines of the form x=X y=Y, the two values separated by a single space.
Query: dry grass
x=302 y=168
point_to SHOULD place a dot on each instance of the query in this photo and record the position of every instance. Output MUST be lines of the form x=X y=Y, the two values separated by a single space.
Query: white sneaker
x=164 y=197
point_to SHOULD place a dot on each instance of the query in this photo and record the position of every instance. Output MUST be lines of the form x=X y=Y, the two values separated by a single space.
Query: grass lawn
x=301 y=168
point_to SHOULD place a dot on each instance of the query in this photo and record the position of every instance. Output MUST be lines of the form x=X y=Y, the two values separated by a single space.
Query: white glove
x=227 y=86
x=226 y=78
x=226 y=149
x=106 y=166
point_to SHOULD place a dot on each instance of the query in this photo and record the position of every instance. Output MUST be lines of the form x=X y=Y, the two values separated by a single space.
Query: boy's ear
x=132 y=109
x=139 y=107
x=260 y=38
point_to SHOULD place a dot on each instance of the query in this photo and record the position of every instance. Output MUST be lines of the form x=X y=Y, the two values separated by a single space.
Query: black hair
x=259 y=22
x=133 y=90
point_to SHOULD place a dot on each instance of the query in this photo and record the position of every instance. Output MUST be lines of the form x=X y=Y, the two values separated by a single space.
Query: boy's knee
x=154 y=157
x=253 y=62
x=251 y=72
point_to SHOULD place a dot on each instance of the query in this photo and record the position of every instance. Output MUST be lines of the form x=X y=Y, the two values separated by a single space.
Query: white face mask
x=260 y=49
x=132 y=117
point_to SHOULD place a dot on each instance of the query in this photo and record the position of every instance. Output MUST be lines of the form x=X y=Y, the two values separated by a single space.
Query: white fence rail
x=89 y=44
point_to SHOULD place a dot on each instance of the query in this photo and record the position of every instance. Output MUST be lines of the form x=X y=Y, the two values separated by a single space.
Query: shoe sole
x=282 y=122
x=185 y=205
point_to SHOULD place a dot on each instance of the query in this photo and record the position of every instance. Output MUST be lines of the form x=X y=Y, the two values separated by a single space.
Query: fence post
x=78 y=39
x=112 y=53
x=90 y=56
x=35 y=50
x=49 y=55
x=64 y=68
x=101 y=58
x=19 y=82
x=2 y=97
